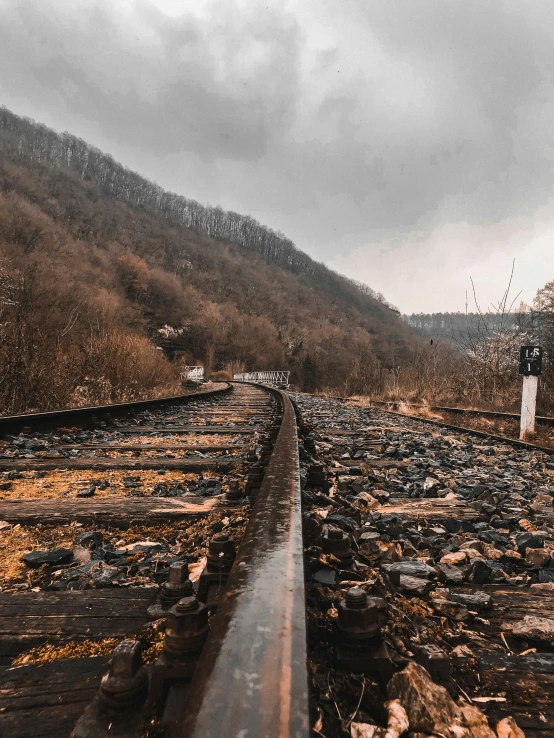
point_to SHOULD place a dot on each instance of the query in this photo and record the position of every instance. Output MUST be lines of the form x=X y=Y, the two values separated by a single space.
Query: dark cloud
x=342 y=124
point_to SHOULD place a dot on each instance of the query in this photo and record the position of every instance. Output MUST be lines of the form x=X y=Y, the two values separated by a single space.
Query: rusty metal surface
x=473 y=431
x=539 y=419
x=252 y=680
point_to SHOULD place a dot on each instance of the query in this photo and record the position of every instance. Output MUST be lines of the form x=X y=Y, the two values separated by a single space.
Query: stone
x=473 y=545
x=81 y=554
x=508 y=728
x=546 y=576
x=475 y=601
x=451 y=559
x=90 y=539
x=105 y=574
x=452 y=525
x=534 y=628
x=529 y=540
x=409 y=568
x=451 y=574
x=537 y=556
x=325 y=575
x=453 y=610
x=480 y=571
x=55 y=557
x=87 y=492
x=429 y=707
x=477 y=722
x=341 y=521
x=414 y=585
x=370 y=501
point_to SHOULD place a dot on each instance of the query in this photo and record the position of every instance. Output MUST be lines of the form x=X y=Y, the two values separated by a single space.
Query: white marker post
x=530 y=365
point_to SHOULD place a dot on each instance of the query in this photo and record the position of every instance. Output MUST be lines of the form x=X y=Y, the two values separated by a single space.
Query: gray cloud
x=348 y=125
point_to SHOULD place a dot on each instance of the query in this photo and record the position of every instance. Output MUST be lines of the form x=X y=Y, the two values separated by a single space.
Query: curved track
x=49 y=684
x=142 y=497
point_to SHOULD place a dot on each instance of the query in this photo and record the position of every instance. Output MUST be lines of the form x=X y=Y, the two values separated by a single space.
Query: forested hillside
x=99 y=266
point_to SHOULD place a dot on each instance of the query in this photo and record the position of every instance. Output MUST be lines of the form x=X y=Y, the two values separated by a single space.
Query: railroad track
x=119 y=507
x=210 y=575
x=393 y=405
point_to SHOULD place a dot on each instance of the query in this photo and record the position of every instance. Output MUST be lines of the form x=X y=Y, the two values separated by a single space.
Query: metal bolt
x=126 y=683
x=233 y=493
x=356 y=598
x=186 y=629
x=177 y=586
x=221 y=552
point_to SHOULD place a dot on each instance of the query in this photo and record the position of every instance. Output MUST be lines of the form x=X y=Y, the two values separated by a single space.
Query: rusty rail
x=473 y=431
x=14 y=423
x=539 y=419
x=251 y=679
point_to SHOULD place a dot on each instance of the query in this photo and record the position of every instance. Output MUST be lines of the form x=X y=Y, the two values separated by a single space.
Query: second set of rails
x=163 y=486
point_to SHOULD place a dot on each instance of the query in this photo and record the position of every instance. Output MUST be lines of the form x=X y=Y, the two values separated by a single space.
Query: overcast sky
x=406 y=143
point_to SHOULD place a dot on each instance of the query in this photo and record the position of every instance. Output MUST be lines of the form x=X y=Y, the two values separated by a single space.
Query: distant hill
x=98 y=266
x=458 y=328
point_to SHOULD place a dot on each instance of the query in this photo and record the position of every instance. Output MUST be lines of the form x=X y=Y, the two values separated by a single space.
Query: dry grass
x=190 y=539
x=176 y=439
x=71 y=482
x=17 y=541
x=151 y=639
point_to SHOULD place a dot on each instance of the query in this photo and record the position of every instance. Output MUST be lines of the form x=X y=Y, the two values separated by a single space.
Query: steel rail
x=13 y=423
x=473 y=431
x=540 y=419
x=252 y=679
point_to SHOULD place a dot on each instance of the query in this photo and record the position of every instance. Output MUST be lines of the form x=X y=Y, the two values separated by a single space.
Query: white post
x=528 y=406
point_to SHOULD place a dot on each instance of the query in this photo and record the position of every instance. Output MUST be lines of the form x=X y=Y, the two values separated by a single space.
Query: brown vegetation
x=100 y=270
x=480 y=367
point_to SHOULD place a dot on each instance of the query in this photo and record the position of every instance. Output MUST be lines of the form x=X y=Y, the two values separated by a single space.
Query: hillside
x=459 y=329
x=98 y=266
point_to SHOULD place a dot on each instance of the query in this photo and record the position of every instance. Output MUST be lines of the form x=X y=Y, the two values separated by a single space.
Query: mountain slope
x=94 y=258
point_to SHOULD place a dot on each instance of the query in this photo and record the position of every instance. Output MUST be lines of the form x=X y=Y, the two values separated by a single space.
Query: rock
x=533 y=628
x=105 y=574
x=477 y=722
x=459 y=557
x=546 y=576
x=409 y=568
x=414 y=585
x=81 y=554
x=429 y=707
x=454 y=610
x=537 y=556
x=325 y=575
x=475 y=601
x=480 y=571
x=87 y=492
x=341 y=521
x=90 y=539
x=451 y=574
x=451 y=524
x=508 y=728
x=529 y=540
x=510 y=556
x=365 y=730
x=55 y=557
x=473 y=545
x=370 y=501
x=397 y=722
